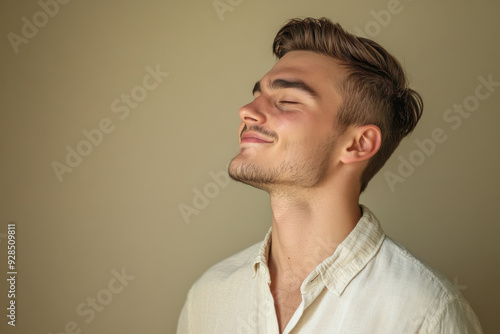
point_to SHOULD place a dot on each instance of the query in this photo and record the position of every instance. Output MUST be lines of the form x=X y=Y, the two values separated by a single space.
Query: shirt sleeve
x=456 y=317
x=183 y=323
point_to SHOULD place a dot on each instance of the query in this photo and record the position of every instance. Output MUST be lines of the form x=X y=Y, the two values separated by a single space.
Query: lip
x=252 y=137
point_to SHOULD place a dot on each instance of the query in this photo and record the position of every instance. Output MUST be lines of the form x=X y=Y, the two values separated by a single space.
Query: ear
x=362 y=143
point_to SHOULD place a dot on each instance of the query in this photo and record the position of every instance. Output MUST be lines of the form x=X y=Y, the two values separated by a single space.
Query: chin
x=250 y=174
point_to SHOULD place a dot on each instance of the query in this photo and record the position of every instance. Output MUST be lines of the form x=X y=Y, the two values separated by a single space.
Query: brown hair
x=375 y=89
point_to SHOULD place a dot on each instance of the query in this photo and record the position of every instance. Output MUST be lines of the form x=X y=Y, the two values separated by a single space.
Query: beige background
x=119 y=208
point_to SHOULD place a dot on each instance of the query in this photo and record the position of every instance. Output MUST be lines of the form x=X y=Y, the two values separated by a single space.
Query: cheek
x=290 y=122
x=302 y=128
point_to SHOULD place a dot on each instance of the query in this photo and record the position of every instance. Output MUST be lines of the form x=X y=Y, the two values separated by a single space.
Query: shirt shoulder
x=437 y=301
x=212 y=297
x=402 y=263
x=232 y=268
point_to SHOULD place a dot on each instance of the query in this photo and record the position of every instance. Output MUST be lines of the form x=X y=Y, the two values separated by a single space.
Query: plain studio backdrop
x=119 y=118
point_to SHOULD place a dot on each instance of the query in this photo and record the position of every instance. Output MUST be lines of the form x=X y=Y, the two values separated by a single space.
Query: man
x=323 y=121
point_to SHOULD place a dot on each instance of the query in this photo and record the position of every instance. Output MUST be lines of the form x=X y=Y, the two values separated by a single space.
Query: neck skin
x=307 y=226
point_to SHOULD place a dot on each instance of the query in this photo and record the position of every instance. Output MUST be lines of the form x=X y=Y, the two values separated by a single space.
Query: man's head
x=343 y=88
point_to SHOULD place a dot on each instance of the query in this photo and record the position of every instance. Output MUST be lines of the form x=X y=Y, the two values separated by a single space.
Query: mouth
x=252 y=137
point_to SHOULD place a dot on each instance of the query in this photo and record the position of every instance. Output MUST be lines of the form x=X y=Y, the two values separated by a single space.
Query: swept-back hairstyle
x=375 y=88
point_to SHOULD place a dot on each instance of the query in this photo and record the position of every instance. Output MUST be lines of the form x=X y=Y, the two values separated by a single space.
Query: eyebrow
x=282 y=83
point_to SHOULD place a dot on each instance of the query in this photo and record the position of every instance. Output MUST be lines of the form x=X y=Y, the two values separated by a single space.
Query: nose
x=252 y=113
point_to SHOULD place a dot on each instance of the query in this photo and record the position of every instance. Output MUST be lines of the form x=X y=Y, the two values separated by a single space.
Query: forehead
x=323 y=73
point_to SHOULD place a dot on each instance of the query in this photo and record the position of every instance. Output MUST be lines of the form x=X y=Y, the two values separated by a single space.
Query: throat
x=287 y=297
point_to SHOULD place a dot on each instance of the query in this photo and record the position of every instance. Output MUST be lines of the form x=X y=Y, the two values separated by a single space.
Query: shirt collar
x=353 y=254
x=262 y=257
x=349 y=258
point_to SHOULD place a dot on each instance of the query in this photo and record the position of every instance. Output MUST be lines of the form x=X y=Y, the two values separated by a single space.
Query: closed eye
x=289 y=102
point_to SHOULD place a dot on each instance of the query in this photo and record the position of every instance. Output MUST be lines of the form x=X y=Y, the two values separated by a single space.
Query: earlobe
x=364 y=142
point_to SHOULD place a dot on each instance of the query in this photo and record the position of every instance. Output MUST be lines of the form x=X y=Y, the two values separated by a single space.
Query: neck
x=307 y=227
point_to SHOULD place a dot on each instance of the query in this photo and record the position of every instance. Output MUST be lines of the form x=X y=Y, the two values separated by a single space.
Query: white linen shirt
x=369 y=285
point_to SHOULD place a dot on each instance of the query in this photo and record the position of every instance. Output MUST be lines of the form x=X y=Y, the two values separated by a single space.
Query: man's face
x=287 y=134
